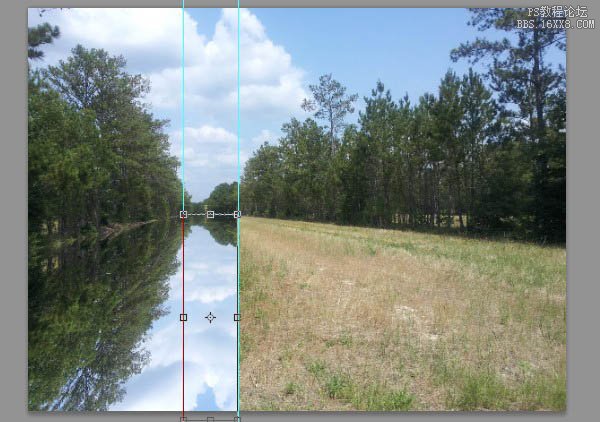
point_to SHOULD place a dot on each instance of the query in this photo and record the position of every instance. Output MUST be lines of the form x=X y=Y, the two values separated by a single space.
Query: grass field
x=343 y=318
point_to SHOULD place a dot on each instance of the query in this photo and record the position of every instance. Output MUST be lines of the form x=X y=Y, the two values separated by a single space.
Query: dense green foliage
x=90 y=307
x=39 y=35
x=222 y=199
x=485 y=153
x=96 y=157
x=96 y=154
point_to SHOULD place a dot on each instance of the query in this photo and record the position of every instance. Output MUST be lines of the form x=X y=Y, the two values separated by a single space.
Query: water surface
x=104 y=330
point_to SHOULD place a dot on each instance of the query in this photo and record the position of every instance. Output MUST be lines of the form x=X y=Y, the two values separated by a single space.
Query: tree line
x=222 y=199
x=487 y=152
x=96 y=155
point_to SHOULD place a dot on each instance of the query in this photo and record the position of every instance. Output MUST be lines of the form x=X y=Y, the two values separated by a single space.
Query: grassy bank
x=342 y=318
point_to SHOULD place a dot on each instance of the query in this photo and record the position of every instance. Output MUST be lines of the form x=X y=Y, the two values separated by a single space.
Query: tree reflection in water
x=91 y=307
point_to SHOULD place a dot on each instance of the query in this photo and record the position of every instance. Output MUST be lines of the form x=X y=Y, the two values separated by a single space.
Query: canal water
x=104 y=329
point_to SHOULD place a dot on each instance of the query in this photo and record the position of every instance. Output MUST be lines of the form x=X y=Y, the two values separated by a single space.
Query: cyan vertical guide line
x=238 y=166
x=182 y=105
x=182 y=205
x=238 y=207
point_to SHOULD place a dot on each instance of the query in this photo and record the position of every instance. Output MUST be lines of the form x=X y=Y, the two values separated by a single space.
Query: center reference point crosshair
x=210 y=317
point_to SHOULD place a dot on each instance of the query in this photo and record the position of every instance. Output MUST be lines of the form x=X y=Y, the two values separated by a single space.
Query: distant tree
x=222 y=199
x=447 y=117
x=305 y=160
x=92 y=79
x=517 y=70
x=377 y=126
x=478 y=127
x=96 y=154
x=39 y=35
x=64 y=151
x=262 y=183
x=455 y=159
x=521 y=76
x=354 y=178
x=143 y=182
x=330 y=103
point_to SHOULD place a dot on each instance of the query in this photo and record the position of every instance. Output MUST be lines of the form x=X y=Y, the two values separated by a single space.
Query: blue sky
x=210 y=349
x=408 y=49
x=282 y=52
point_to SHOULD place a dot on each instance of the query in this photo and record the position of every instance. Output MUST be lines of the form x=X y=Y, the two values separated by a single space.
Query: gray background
x=582 y=229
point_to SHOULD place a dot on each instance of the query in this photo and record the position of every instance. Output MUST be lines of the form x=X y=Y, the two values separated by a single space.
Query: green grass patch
x=339 y=387
x=291 y=388
x=345 y=339
x=471 y=390
x=479 y=391
x=512 y=262
x=245 y=345
x=377 y=398
x=317 y=368
x=371 y=397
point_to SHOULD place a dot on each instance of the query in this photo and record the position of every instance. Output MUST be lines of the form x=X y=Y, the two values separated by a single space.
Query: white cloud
x=210 y=362
x=206 y=146
x=270 y=85
x=147 y=38
x=210 y=156
x=209 y=283
x=265 y=135
x=210 y=274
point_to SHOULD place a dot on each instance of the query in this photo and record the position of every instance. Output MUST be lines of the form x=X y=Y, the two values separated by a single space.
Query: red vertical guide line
x=182 y=322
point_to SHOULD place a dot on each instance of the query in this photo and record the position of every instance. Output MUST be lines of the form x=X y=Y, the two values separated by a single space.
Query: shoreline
x=115 y=229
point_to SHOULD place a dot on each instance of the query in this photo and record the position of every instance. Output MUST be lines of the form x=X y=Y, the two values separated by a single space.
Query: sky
x=282 y=52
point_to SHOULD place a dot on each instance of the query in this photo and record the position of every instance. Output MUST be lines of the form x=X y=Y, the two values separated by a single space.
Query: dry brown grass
x=342 y=318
